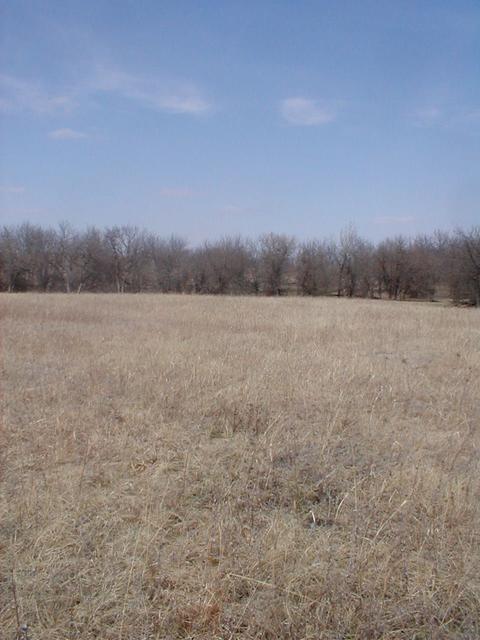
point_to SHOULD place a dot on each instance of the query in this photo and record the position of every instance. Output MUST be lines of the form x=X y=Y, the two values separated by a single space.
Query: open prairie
x=220 y=467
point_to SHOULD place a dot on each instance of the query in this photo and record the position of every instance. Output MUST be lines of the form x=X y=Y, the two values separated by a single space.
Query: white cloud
x=304 y=112
x=394 y=220
x=27 y=95
x=11 y=189
x=66 y=134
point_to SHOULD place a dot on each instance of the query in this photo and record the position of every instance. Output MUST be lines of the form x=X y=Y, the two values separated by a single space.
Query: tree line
x=128 y=259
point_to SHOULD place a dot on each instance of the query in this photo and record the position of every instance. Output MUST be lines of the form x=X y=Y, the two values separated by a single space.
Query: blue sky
x=206 y=118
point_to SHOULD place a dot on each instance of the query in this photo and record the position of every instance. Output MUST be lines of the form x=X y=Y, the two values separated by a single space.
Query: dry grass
x=197 y=467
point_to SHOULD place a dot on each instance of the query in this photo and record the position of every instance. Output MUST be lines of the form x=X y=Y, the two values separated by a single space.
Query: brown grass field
x=199 y=467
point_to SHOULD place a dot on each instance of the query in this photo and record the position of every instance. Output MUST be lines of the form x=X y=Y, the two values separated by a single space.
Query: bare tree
x=275 y=253
x=465 y=275
x=64 y=254
x=313 y=269
x=12 y=261
x=392 y=263
x=128 y=259
x=126 y=249
x=93 y=262
x=225 y=265
x=170 y=262
x=36 y=247
x=406 y=268
x=349 y=257
x=423 y=276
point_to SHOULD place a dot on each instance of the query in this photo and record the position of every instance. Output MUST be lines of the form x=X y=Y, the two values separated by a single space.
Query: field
x=200 y=467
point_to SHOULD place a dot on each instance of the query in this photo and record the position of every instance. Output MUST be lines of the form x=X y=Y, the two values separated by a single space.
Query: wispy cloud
x=469 y=116
x=305 y=112
x=168 y=96
x=427 y=116
x=447 y=117
x=176 y=192
x=16 y=215
x=66 y=134
x=176 y=97
x=231 y=209
x=28 y=95
x=10 y=189
x=393 y=220
x=238 y=210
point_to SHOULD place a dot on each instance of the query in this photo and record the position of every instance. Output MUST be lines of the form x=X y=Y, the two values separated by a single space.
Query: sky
x=205 y=118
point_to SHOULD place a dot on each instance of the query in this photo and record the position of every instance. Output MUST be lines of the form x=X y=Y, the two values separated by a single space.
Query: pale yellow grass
x=199 y=467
